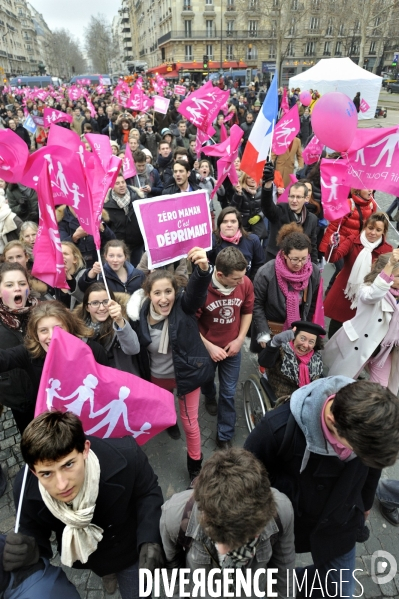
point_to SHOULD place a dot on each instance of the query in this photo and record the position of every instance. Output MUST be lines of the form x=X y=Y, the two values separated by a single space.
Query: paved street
x=168 y=459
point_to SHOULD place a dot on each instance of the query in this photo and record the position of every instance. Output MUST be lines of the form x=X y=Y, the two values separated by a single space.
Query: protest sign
x=104 y=81
x=364 y=106
x=38 y=120
x=180 y=90
x=172 y=225
x=30 y=125
x=161 y=104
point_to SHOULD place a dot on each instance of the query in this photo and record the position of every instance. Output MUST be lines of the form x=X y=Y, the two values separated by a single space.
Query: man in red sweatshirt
x=223 y=323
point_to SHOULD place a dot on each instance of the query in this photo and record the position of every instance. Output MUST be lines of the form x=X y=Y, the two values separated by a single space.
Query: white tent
x=341 y=75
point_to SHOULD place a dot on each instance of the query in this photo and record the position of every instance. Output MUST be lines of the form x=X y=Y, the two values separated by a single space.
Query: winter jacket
x=150 y=177
x=285 y=163
x=356 y=341
x=281 y=214
x=67 y=225
x=128 y=507
x=270 y=302
x=271 y=552
x=164 y=167
x=250 y=247
x=23 y=202
x=150 y=141
x=23 y=134
x=352 y=223
x=174 y=188
x=125 y=226
x=192 y=362
x=248 y=204
x=15 y=384
x=336 y=305
x=329 y=496
x=134 y=280
x=73 y=295
x=306 y=128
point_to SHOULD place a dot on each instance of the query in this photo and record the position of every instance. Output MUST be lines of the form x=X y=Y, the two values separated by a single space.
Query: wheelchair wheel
x=256 y=402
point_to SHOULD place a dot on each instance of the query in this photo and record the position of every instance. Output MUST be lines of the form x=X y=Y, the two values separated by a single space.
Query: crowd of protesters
x=307 y=477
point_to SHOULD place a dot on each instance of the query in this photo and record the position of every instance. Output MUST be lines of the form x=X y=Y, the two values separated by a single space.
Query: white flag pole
x=21 y=498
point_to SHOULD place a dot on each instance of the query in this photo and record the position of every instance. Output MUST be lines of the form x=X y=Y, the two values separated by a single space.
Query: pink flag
x=228 y=149
x=318 y=316
x=312 y=152
x=55 y=116
x=284 y=196
x=334 y=191
x=284 y=102
x=83 y=81
x=100 y=90
x=223 y=132
x=199 y=140
x=128 y=165
x=202 y=106
x=101 y=148
x=91 y=108
x=109 y=402
x=147 y=103
x=14 y=154
x=285 y=131
x=48 y=263
x=364 y=106
x=161 y=81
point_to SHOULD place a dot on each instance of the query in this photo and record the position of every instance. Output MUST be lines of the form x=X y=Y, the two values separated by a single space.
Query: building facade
x=44 y=44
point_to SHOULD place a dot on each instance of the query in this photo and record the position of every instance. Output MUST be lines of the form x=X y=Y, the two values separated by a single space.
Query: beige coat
x=286 y=162
x=352 y=346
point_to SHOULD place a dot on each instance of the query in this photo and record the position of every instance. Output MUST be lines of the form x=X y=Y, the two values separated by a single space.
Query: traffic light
x=394 y=63
x=205 y=61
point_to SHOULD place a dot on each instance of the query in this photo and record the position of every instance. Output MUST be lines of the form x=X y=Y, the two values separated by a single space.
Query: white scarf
x=360 y=269
x=6 y=224
x=79 y=538
x=164 y=341
x=224 y=290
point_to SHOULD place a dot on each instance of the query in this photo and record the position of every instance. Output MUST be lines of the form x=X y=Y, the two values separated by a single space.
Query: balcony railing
x=215 y=35
x=165 y=38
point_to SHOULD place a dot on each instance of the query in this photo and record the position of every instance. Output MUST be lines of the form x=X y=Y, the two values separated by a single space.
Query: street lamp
x=221 y=37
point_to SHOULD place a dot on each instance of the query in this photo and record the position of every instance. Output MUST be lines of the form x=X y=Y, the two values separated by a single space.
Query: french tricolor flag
x=260 y=140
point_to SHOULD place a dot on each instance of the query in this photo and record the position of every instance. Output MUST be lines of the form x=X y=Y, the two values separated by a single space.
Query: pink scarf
x=235 y=239
x=298 y=281
x=304 y=377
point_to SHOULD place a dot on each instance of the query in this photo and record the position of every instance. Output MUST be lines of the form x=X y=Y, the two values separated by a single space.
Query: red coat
x=351 y=224
x=336 y=305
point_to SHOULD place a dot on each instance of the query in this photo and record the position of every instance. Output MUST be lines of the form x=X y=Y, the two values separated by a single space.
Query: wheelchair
x=259 y=398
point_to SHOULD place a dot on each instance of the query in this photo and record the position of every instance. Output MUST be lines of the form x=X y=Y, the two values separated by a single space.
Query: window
x=252 y=28
x=291 y=30
x=294 y=5
x=229 y=51
x=251 y=53
x=187 y=28
x=272 y=51
x=187 y=5
x=274 y=28
x=275 y=3
x=314 y=23
x=341 y=29
x=209 y=28
x=208 y=2
x=188 y=52
x=338 y=49
x=209 y=51
x=372 y=48
x=316 y=4
x=327 y=49
x=230 y=28
x=356 y=26
x=310 y=49
x=354 y=49
x=290 y=49
x=253 y=5
x=329 y=30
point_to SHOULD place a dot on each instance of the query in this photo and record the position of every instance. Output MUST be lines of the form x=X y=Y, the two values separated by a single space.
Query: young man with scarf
x=293 y=358
x=234 y=520
x=325 y=449
x=100 y=497
x=281 y=214
x=224 y=321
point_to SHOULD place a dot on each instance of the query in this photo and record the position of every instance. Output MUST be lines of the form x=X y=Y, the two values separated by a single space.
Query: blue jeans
x=128 y=581
x=341 y=577
x=229 y=372
x=388 y=492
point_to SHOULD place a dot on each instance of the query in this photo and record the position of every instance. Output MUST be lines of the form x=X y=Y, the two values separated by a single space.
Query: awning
x=171 y=75
x=214 y=65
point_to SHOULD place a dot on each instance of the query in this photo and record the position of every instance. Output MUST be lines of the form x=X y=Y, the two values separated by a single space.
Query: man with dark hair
x=181 y=179
x=234 y=519
x=284 y=213
x=89 y=120
x=15 y=126
x=148 y=176
x=164 y=162
x=325 y=448
x=224 y=321
x=100 y=497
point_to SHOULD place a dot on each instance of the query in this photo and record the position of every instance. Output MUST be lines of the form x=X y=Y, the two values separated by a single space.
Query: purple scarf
x=298 y=281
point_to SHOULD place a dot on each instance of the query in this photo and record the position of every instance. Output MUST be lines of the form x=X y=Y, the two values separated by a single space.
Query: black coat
x=15 y=384
x=248 y=205
x=281 y=214
x=329 y=496
x=128 y=507
x=191 y=360
x=125 y=226
x=23 y=134
x=174 y=188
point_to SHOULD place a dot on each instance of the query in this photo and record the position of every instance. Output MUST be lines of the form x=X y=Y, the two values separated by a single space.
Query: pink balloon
x=334 y=121
x=305 y=98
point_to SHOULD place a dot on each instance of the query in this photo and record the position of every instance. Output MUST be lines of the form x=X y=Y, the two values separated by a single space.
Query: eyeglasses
x=298 y=260
x=296 y=197
x=97 y=303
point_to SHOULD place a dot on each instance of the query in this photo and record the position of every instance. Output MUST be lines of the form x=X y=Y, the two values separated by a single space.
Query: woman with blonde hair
x=27 y=236
x=74 y=269
x=30 y=356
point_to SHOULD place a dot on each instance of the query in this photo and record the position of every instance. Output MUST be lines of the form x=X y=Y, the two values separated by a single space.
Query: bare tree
x=66 y=54
x=99 y=44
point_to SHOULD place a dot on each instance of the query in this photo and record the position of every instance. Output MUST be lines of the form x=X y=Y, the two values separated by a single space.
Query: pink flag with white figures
x=285 y=131
x=202 y=106
x=364 y=106
x=91 y=108
x=110 y=403
x=200 y=139
x=334 y=190
x=128 y=164
x=312 y=152
x=284 y=102
x=284 y=196
x=101 y=148
x=147 y=103
x=161 y=81
x=14 y=155
x=228 y=150
x=48 y=263
x=51 y=115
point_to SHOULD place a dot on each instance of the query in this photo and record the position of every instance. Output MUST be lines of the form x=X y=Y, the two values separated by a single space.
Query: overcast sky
x=74 y=14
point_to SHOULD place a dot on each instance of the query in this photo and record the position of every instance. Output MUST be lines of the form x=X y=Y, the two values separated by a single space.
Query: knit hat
x=166 y=131
x=114 y=143
x=147 y=152
x=257 y=103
